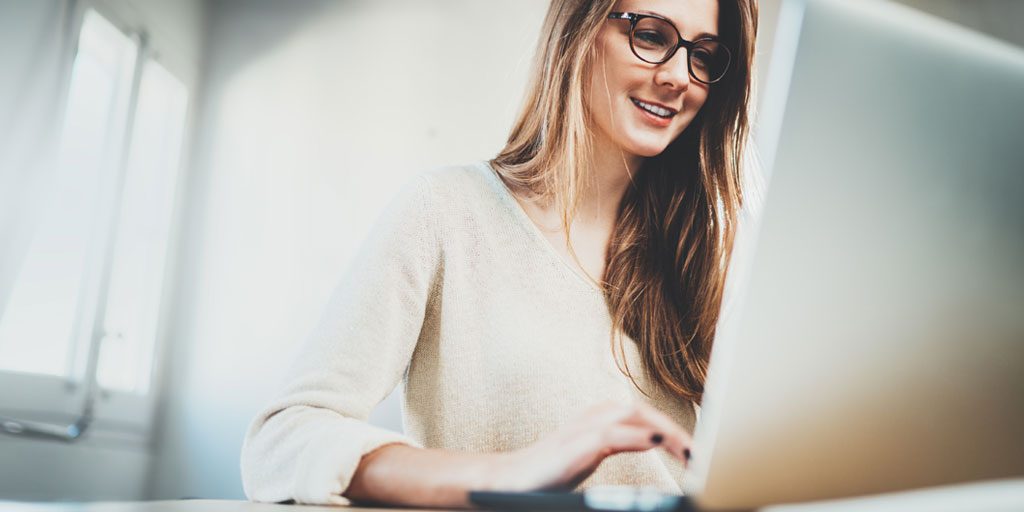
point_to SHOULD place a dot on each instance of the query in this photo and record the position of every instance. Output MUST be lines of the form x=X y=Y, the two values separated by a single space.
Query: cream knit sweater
x=496 y=338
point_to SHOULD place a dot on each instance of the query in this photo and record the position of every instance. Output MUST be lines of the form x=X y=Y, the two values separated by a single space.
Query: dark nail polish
x=686 y=453
x=657 y=438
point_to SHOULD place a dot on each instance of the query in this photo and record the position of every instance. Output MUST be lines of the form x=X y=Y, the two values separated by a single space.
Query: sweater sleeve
x=305 y=446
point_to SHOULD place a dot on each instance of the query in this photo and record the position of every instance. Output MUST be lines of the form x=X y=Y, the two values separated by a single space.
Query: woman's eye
x=701 y=59
x=650 y=38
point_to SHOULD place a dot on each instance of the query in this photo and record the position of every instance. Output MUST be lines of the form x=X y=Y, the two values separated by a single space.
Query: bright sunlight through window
x=107 y=212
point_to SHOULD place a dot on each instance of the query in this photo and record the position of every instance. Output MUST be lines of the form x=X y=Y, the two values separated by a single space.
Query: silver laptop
x=873 y=338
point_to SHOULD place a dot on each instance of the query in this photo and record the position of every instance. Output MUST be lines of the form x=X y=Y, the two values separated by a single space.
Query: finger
x=677 y=440
x=579 y=456
x=628 y=438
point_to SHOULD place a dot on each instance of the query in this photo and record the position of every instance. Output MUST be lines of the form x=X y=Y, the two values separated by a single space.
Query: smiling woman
x=648 y=144
x=551 y=311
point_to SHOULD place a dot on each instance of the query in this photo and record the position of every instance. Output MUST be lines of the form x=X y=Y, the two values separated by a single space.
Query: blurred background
x=182 y=184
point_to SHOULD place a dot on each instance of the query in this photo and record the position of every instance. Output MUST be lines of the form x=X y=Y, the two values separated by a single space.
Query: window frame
x=119 y=415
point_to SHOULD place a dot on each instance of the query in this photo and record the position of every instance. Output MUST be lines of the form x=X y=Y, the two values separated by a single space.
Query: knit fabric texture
x=497 y=339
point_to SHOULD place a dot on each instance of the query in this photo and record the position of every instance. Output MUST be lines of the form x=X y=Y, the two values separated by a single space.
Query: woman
x=551 y=312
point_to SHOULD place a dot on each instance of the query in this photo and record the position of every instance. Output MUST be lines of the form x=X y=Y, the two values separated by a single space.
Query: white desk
x=1002 y=496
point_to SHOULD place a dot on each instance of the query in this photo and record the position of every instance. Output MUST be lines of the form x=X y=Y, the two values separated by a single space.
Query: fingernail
x=686 y=453
x=657 y=438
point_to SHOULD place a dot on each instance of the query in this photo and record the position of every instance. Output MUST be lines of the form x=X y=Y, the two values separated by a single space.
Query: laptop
x=872 y=337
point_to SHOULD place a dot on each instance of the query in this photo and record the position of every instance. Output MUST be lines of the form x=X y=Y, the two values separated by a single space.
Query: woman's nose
x=675 y=72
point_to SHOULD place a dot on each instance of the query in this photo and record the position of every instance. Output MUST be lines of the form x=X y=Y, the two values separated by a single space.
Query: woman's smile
x=654 y=113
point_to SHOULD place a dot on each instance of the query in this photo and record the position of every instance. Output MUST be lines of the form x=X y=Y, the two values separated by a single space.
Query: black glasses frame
x=635 y=18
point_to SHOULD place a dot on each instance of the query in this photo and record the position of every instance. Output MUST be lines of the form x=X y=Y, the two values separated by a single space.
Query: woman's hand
x=566 y=457
x=405 y=476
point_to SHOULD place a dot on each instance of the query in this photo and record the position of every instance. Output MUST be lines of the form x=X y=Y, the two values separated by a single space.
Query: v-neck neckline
x=520 y=214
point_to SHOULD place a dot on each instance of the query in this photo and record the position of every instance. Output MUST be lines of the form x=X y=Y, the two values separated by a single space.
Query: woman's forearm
x=402 y=475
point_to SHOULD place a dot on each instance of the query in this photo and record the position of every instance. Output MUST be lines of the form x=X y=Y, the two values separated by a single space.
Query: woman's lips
x=661 y=119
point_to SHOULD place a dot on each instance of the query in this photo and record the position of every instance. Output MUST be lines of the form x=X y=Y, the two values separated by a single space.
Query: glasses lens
x=654 y=39
x=709 y=61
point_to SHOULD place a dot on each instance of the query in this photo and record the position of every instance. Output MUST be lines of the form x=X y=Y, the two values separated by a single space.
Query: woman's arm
x=407 y=476
x=403 y=475
x=306 y=444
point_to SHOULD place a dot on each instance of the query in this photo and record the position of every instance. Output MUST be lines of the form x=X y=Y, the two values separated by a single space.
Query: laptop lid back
x=875 y=341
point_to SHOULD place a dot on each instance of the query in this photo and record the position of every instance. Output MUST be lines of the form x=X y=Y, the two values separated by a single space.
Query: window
x=93 y=272
x=50 y=292
x=142 y=234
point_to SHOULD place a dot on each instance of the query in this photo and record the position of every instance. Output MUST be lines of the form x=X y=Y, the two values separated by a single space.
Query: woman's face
x=621 y=84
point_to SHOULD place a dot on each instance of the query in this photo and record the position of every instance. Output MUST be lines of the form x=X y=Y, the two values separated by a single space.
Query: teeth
x=654 y=109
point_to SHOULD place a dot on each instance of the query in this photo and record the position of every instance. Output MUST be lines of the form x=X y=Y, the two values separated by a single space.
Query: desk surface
x=1000 y=496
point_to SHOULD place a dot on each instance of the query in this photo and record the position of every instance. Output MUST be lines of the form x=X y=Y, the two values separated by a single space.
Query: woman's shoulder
x=459 y=180
x=462 y=190
x=433 y=205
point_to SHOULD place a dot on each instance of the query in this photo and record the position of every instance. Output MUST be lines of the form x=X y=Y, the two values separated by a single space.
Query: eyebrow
x=702 y=35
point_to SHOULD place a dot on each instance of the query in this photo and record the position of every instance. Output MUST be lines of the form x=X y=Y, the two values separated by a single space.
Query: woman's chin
x=648 y=150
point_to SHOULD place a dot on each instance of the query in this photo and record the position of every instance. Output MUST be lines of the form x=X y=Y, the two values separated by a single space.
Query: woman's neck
x=607 y=177
x=610 y=173
x=592 y=226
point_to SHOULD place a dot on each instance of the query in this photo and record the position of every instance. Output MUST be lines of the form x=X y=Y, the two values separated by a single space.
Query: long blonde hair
x=668 y=256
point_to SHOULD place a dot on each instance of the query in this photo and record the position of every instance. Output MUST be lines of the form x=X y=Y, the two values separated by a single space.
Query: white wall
x=315 y=111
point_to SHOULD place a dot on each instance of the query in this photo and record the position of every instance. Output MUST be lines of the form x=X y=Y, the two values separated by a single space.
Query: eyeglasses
x=655 y=40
